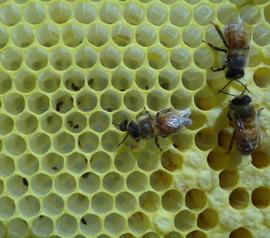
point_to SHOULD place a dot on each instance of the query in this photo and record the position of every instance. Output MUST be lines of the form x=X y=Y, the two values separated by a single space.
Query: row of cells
x=134 y=13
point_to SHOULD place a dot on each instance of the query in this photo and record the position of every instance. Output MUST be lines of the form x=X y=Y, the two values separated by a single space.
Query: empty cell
x=3 y=37
x=198 y=120
x=73 y=35
x=171 y=160
x=103 y=236
x=100 y=162
x=255 y=56
x=98 y=34
x=11 y=58
x=241 y=232
x=260 y=159
x=110 y=57
x=98 y=79
x=181 y=99
x=149 y=201
x=267 y=13
x=17 y=227
x=261 y=197
x=250 y=14
x=192 y=36
x=28 y=164
x=10 y=14
x=157 y=57
x=48 y=35
x=173 y=234
x=208 y=219
x=113 y=182
x=5 y=82
x=76 y=162
x=138 y=222
x=224 y=138
x=74 y=80
x=125 y=202
x=157 y=100
x=205 y=99
x=110 y=100
x=196 y=234
x=204 y=57
x=172 y=200
x=52 y=163
x=88 y=142
x=89 y=182
x=228 y=178
x=169 y=35
x=6 y=124
x=7 y=165
x=180 y=15
x=60 y=58
x=205 y=139
x=122 y=79
x=65 y=183
x=226 y=12
x=34 y=13
x=109 y=12
x=134 y=100
x=195 y=199
x=185 y=220
x=160 y=180
x=180 y=58
x=25 y=81
x=260 y=77
x=52 y=204
x=15 y=186
x=192 y=79
x=239 y=198
x=217 y=160
x=41 y=184
x=124 y=161
x=133 y=57
x=146 y=35
x=90 y=225
x=14 y=144
x=145 y=78
x=7 y=207
x=137 y=181
x=157 y=14
x=261 y=34
x=148 y=164
x=36 y=58
x=48 y=81
x=182 y=140
x=38 y=103
x=86 y=57
x=51 y=122
x=22 y=35
x=42 y=226
x=59 y=12
x=40 y=143
x=85 y=12
x=86 y=101
x=62 y=102
x=29 y=206
x=114 y=223
x=77 y=203
x=75 y=122
x=204 y=14
x=99 y=121
x=102 y=202
x=134 y=13
x=66 y=225
x=127 y=235
x=122 y=34
x=150 y=234
x=168 y=78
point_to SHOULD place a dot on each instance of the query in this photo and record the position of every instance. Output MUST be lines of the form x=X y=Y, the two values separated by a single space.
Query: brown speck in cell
x=146 y=87
x=85 y=175
x=59 y=105
x=74 y=87
x=76 y=126
x=54 y=168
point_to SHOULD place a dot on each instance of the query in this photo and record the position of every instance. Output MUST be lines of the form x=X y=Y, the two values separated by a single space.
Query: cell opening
x=205 y=139
x=157 y=57
x=169 y=36
x=10 y=14
x=99 y=121
x=48 y=81
x=192 y=79
x=145 y=78
x=180 y=58
x=40 y=143
x=113 y=182
x=86 y=101
x=36 y=59
x=157 y=100
x=157 y=14
x=217 y=160
x=180 y=15
x=7 y=207
x=208 y=219
x=29 y=206
x=160 y=180
x=260 y=77
x=182 y=140
x=138 y=222
x=38 y=103
x=6 y=124
x=137 y=181
x=88 y=142
x=61 y=59
x=52 y=163
x=110 y=57
x=241 y=232
x=261 y=197
x=146 y=35
x=89 y=183
x=7 y=165
x=109 y=13
x=86 y=57
x=48 y=35
x=90 y=225
x=17 y=227
x=121 y=35
x=3 y=37
x=41 y=184
x=52 y=204
x=205 y=99
x=74 y=80
x=124 y=161
x=181 y=99
x=66 y=225
x=15 y=144
x=172 y=200
x=98 y=79
x=184 y=220
x=171 y=160
x=11 y=59
x=85 y=12
x=25 y=81
x=51 y=122
x=196 y=234
x=62 y=102
x=22 y=36
x=193 y=36
x=149 y=201
x=28 y=164
x=125 y=202
x=239 y=198
x=73 y=35
x=76 y=163
x=75 y=122
x=65 y=183
x=100 y=162
x=34 y=13
x=133 y=13
x=133 y=57
x=260 y=159
x=16 y=186
x=204 y=14
x=98 y=34
x=77 y=203
x=42 y=226
x=228 y=178
x=195 y=199
x=134 y=100
x=59 y=12
x=102 y=202
x=5 y=81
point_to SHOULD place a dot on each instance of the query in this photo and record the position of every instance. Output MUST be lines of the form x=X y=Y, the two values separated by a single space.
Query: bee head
x=234 y=73
x=133 y=129
x=123 y=126
x=242 y=100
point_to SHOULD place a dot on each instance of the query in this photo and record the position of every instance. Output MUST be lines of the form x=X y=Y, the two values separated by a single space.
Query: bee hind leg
x=226 y=85
x=231 y=143
x=157 y=144
x=244 y=85
x=215 y=47
x=219 y=31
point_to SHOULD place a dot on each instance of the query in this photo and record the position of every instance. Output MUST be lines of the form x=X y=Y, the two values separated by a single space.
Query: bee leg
x=260 y=111
x=215 y=47
x=245 y=86
x=231 y=143
x=219 y=31
x=218 y=69
x=148 y=113
x=157 y=144
x=227 y=84
x=122 y=140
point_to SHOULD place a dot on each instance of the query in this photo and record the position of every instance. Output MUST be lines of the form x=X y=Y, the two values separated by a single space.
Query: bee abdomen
x=247 y=143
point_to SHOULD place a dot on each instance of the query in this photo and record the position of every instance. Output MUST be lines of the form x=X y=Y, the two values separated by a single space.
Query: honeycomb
x=71 y=68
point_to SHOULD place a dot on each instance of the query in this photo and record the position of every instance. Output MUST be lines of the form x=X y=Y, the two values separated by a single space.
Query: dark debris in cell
x=83 y=221
x=25 y=182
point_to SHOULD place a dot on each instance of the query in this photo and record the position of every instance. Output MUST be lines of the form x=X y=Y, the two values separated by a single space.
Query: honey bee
x=245 y=119
x=164 y=123
x=236 y=38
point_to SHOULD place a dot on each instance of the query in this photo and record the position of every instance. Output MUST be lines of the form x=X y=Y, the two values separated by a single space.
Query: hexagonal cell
x=151 y=234
x=260 y=159
x=133 y=57
x=157 y=57
x=51 y=122
x=182 y=140
x=76 y=163
x=204 y=14
x=149 y=201
x=122 y=78
x=122 y=34
x=38 y=103
x=145 y=78
x=173 y=234
x=228 y=178
x=196 y=234
x=208 y=219
x=66 y=225
x=85 y=12
x=100 y=161
x=10 y=14
x=59 y=12
x=48 y=35
x=3 y=37
x=127 y=235
x=217 y=160
x=52 y=162
x=29 y=206
x=7 y=165
x=14 y=144
x=65 y=183
x=205 y=99
x=98 y=34
x=261 y=34
x=205 y=139
x=239 y=198
x=138 y=222
x=99 y=121
x=137 y=181
x=261 y=197
x=192 y=36
x=102 y=202
x=25 y=81
x=134 y=100
x=42 y=226
x=192 y=79
x=17 y=227
x=74 y=80
x=7 y=207
x=157 y=100
x=181 y=99
x=86 y=57
x=109 y=12
x=16 y=186
x=34 y=13
x=72 y=35
x=87 y=142
x=160 y=180
x=110 y=140
x=28 y=164
x=77 y=203
x=157 y=14
x=41 y=184
x=241 y=232
x=125 y=202
x=110 y=57
x=90 y=225
x=89 y=182
x=114 y=223
x=133 y=13
x=62 y=102
x=36 y=58
x=60 y=58
x=5 y=82
x=226 y=12
x=172 y=200
x=113 y=182
x=180 y=58
x=40 y=143
x=11 y=58
x=52 y=204
x=204 y=57
x=124 y=161
x=98 y=79
x=22 y=36
x=260 y=77
x=86 y=101
x=169 y=35
x=184 y=220
x=48 y=81
x=6 y=124
x=251 y=14
x=168 y=78
x=146 y=35
x=171 y=160
x=195 y=199
x=266 y=13
x=75 y=122
x=180 y=15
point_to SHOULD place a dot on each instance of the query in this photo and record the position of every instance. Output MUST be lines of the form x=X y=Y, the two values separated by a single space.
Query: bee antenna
x=229 y=94
x=123 y=140
x=115 y=124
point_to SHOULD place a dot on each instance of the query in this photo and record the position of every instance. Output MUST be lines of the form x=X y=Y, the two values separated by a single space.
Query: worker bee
x=236 y=38
x=164 y=123
x=245 y=119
